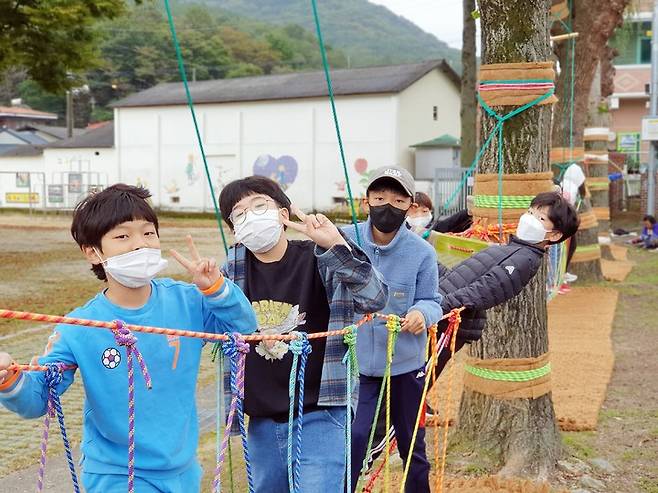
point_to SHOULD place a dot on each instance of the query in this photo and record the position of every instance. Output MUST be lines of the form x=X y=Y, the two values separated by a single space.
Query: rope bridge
x=235 y=347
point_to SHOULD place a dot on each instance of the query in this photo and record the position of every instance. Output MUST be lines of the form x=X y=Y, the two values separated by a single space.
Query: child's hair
x=387 y=184
x=649 y=218
x=561 y=213
x=235 y=191
x=423 y=200
x=98 y=213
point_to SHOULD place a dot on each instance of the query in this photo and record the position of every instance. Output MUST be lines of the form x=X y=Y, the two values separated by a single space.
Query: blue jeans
x=322 y=462
x=189 y=481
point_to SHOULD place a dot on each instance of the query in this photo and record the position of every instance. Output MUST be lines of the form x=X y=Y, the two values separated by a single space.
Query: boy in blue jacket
x=117 y=230
x=408 y=265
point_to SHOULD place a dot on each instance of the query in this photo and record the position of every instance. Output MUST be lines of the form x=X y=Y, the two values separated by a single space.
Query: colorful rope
x=236 y=349
x=509 y=375
x=300 y=349
x=352 y=369
x=53 y=377
x=125 y=338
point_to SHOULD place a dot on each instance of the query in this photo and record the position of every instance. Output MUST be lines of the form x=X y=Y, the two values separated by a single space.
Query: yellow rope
x=393 y=326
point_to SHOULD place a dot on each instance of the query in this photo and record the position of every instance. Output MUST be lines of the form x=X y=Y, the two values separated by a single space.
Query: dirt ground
x=42 y=270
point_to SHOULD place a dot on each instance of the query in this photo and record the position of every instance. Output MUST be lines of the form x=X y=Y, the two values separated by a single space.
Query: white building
x=279 y=126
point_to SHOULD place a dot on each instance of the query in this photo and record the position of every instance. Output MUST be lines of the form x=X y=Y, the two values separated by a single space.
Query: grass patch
x=579 y=444
x=648 y=485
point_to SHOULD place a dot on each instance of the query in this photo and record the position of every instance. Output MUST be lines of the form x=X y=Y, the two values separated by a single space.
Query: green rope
x=509 y=375
x=506 y=202
x=190 y=103
x=330 y=90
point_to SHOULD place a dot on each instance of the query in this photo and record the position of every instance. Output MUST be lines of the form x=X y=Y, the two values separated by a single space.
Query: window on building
x=435 y=113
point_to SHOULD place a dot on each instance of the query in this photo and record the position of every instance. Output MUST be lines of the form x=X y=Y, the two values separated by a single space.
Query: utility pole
x=69 y=112
x=651 y=171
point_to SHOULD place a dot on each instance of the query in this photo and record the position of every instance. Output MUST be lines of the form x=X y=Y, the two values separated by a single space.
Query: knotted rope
x=53 y=377
x=124 y=337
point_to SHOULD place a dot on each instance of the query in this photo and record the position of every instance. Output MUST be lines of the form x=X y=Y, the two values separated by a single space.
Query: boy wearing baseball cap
x=408 y=265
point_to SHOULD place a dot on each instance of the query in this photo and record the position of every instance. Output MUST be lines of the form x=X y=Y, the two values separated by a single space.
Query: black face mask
x=386 y=218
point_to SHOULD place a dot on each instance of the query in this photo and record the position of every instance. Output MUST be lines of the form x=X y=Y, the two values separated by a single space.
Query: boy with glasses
x=307 y=286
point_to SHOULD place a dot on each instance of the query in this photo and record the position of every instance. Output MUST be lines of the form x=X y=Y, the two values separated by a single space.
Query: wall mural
x=282 y=170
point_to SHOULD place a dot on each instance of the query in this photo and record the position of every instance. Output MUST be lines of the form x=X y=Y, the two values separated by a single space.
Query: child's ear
x=285 y=213
x=554 y=236
x=365 y=205
x=90 y=254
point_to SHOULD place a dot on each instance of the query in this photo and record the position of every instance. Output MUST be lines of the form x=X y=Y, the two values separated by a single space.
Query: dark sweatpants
x=406 y=392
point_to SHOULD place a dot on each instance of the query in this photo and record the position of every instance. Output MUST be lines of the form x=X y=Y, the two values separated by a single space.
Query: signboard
x=21 y=198
x=650 y=128
x=75 y=182
x=22 y=180
x=56 y=194
x=628 y=141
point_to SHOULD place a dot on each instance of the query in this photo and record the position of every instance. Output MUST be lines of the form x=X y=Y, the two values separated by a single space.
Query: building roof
x=371 y=80
x=22 y=151
x=28 y=137
x=445 y=140
x=103 y=136
x=58 y=133
x=27 y=113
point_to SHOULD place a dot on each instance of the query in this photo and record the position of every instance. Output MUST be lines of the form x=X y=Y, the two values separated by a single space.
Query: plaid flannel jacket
x=352 y=284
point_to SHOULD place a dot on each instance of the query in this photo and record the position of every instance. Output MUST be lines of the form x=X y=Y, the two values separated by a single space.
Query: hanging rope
x=125 y=338
x=236 y=350
x=352 y=368
x=330 y=90
x=393 y=327
x=53 y=377
x=190 y=103
x=300 y=349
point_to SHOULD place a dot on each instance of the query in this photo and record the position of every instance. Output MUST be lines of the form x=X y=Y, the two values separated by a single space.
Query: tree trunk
x=521 y=433
x=469 y=105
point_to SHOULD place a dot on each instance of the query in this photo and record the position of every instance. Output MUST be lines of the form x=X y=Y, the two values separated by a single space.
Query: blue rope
x=300 y=349
x=53 y=378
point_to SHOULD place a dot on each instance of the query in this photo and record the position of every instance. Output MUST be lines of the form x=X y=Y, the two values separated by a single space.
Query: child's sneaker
x=564 y=289
x=569 y=278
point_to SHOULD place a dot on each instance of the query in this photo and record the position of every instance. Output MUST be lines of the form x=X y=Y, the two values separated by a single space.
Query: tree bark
x=469 y=107
x=521 y=433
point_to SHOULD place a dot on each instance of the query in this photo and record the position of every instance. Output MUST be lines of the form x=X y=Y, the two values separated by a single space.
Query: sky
x=443 y=18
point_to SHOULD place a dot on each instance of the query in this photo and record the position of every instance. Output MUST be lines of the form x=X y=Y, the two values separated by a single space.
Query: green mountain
x=369 y=34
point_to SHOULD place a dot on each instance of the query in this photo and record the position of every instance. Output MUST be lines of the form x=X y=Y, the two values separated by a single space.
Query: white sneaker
x=568 y=277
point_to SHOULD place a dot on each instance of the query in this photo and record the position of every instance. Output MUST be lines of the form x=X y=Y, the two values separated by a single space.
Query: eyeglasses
x=257 y=205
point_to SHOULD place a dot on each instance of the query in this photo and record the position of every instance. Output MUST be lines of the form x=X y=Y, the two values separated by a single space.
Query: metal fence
x=450 y=190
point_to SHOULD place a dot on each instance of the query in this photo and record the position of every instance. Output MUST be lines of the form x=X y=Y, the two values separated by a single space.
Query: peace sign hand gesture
x=317 y=227
x=205 y=272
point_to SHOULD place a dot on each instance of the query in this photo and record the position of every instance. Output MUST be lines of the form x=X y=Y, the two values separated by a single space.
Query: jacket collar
x=537 y=249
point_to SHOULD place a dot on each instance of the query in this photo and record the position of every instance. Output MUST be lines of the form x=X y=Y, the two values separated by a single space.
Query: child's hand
x=5 y=362
x=414 y=322
x=317 y=227
x=205 y=271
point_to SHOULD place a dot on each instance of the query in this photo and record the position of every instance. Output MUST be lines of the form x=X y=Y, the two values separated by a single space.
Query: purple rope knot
x=300 y=344
x=124 y=337
x=235 y=345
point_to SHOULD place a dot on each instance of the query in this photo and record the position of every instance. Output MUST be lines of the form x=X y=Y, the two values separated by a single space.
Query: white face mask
x=419 y=222
x=259 y=233
x=530 y=229
x=134 y=269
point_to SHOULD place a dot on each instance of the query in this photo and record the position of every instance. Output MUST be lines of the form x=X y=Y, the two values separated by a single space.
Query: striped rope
x=125 y=338
x=509 y=375
x=236 y=349
x=300 y=348
x=505 y=201
x=53 y=377
x=394 y=328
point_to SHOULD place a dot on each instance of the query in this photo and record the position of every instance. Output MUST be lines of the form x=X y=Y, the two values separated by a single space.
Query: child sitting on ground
x=408 y=264
x=117 y=231
x=649 y=237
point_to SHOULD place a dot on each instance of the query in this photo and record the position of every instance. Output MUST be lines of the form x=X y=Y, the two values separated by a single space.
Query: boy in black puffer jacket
x=499 y=273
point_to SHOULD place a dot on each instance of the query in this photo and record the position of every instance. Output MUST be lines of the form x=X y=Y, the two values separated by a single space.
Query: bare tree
x=468 y=111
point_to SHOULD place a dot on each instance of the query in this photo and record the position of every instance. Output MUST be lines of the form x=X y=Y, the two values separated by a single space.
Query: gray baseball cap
x=401 y=175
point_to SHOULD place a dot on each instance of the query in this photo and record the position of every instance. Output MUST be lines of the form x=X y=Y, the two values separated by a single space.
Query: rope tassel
x=53 y=377
x=125 y=338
